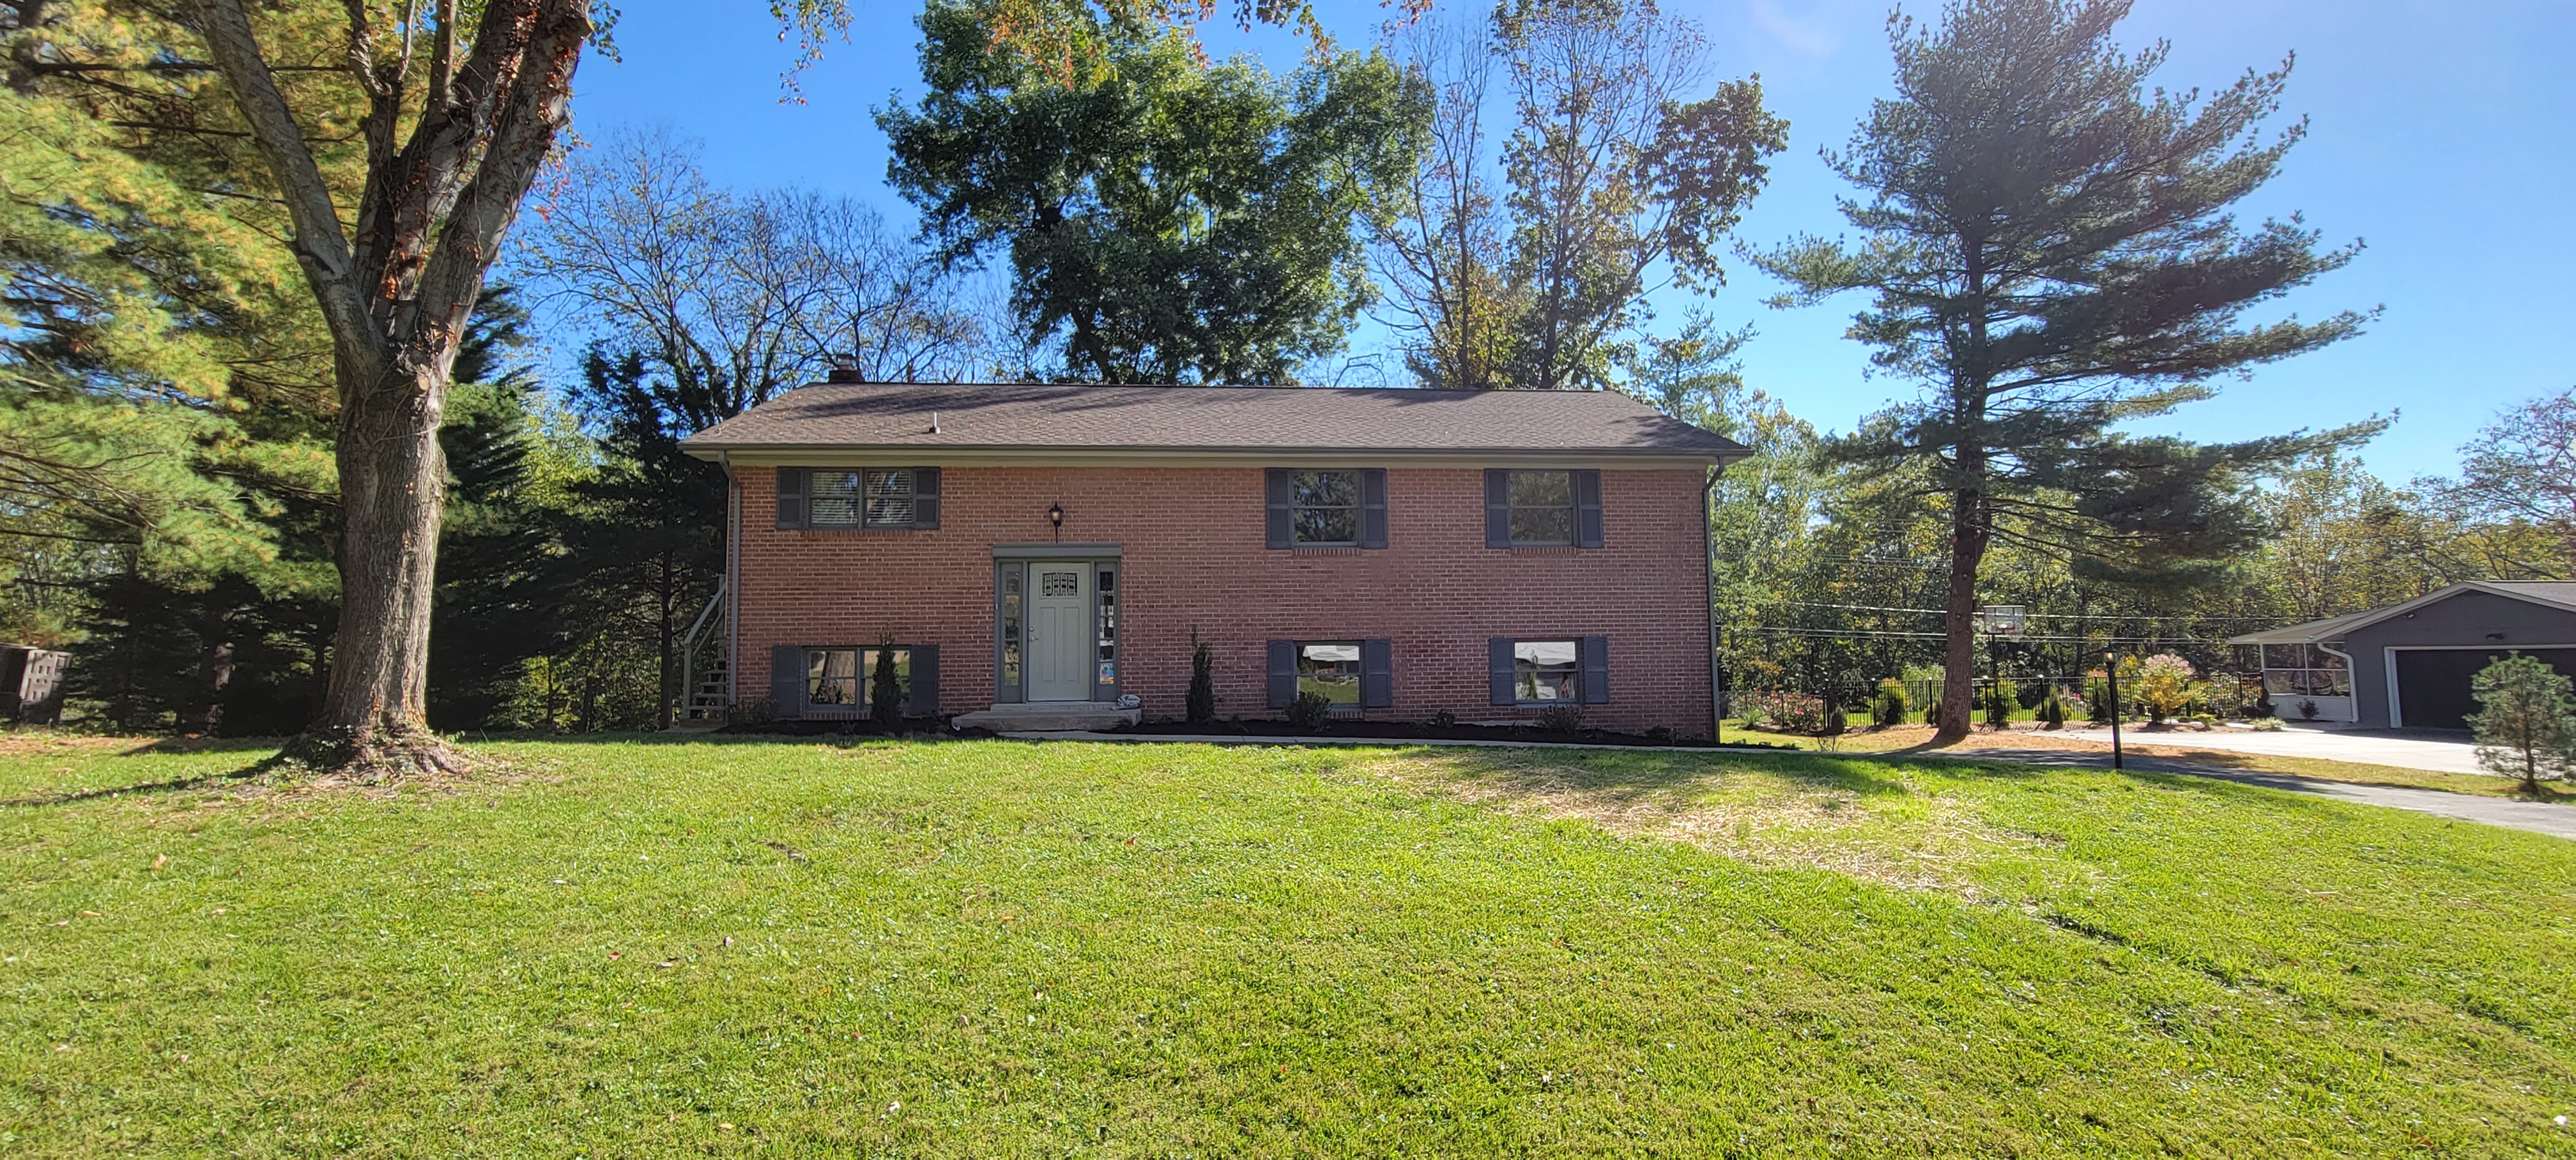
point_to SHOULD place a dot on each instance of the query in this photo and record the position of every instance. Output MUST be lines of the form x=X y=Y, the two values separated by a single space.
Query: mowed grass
x=641 y=947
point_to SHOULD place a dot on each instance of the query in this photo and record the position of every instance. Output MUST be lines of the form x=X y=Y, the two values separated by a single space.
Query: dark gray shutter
x=923 y=699
x=1498 y=653
x=1587 y=509
x=1373 y=507
x=1283 y=673
x=1498 y=508
x=1377 y=674
x=787 y=679
x=1596 y=670
x=1275 y=482
x=791 y=497
x=925 y=497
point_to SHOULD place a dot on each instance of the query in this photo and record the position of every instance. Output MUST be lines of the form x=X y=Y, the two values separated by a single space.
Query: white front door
x=1060 y=632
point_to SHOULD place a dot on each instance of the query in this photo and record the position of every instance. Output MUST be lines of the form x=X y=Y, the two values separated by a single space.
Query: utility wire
x=2031 y=615
x=1784 y=630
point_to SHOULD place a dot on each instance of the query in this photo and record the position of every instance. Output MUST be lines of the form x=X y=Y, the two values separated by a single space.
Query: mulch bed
x=1420 y=731
x=914 y=728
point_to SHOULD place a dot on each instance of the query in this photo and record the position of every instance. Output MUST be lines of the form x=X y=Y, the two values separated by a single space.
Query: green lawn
x=630 y=948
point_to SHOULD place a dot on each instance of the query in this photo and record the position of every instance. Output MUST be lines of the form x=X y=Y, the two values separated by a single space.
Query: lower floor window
x=842 y=677
x=1546 y=672
x=1331 y=670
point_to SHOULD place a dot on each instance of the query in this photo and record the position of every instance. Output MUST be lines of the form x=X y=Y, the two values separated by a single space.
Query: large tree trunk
x=205 y=714
x=396 y=286
x=1959 y=611
x=393 y=489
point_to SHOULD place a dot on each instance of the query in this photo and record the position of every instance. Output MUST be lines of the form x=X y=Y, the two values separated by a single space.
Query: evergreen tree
x=2526 y=720
x=1200 y=707
x=885 y=690
x=2053 y=256
x=503 y=587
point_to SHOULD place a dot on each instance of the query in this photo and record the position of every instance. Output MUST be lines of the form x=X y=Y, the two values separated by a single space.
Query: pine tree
x=2053 y=257
x=2526 y=720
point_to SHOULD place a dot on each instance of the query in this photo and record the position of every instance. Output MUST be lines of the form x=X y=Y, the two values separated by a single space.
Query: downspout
x=733 y=582
x=1708 y=603
x=2352 y=677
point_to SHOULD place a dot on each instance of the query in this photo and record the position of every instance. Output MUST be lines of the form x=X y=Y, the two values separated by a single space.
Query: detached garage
x=2409 y=666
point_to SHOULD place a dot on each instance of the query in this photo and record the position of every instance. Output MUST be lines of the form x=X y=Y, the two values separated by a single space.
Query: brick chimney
x=845 y=370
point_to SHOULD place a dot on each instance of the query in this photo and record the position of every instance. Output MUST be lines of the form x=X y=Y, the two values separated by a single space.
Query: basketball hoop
x=2003 y=620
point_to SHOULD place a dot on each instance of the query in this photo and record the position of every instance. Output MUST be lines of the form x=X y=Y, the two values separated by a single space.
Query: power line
x=2032 y=615
x=1787 y=630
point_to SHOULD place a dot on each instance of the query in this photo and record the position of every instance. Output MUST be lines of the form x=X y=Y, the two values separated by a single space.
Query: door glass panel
x=1059 y=584
x=1011 y=580
x=1108 y=636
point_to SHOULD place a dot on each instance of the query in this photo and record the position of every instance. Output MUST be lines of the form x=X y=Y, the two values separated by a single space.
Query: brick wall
x=1195 y=558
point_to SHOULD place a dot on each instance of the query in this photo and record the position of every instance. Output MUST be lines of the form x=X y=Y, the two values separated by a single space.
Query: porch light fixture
x=1055 y=515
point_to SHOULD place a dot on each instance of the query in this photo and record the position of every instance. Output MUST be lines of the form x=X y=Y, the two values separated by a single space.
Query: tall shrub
x=1889 y=707
x=2052 y=709
x=1201 y=706
x=2001 y=697
x=885 y=690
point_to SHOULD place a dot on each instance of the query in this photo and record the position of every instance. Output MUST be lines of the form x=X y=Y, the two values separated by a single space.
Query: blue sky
x=2439 y=134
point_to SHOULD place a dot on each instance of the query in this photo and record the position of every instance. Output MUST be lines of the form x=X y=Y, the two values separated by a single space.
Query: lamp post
x=2111 y=676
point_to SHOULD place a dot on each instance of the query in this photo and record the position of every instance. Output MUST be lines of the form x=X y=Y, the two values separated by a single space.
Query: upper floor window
x=1535 y=508
x=1340 y=507
x=1324 y=507
x=1542 y=507
x=858 y=497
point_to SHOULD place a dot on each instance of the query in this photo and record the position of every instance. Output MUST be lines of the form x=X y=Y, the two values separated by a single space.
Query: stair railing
x=706 y=630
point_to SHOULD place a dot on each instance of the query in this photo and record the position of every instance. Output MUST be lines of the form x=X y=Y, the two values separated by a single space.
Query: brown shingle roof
x=1017 y=417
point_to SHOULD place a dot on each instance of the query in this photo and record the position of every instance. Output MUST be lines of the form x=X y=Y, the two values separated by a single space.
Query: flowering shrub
x=2166 y=685
x=1794 y=712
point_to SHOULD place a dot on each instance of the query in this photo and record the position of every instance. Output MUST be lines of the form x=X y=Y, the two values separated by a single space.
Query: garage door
x=2433 y=684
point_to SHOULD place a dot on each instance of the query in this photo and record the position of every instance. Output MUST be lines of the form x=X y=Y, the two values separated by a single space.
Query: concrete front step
x=1049 y=716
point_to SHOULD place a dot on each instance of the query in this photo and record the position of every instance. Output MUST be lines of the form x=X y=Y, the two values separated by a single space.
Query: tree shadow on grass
x=249 y=772
x=1629 y=777
x=205 y=745
x=825 y=737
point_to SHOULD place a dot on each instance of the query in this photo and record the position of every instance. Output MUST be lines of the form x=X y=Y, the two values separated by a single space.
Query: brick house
x=1039 y=551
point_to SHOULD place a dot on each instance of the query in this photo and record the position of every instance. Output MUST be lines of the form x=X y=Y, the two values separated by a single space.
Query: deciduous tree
x=1615 y=174
x=2522 y=466
x=1167 y=220
x=1530 y=265
x=463 y=104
